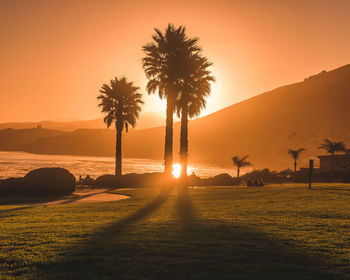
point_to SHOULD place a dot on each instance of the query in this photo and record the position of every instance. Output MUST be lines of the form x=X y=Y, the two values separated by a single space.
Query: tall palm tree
x=194 y=88
x=163 y=67
x=332 y=147
x=295 y=155
x=121 y=102
x=240 y=162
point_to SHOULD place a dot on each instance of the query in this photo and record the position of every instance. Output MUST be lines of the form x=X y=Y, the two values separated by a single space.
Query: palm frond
x=121 y=102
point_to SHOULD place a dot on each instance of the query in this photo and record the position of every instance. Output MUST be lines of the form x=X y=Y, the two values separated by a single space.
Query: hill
x=147 y=120
x=264 y=127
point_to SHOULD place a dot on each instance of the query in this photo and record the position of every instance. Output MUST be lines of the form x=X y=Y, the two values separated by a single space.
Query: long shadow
x=71 y=200
x=187 y=247
x=185 y=209
x=218 y=250
x=334 y=191
x=92 y=259
x=11 y=212
x=140 y=214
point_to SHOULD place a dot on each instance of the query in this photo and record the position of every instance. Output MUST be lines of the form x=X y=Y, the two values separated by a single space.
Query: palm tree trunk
x=184 y=141
x=237 y=172
x=295 y=166
x=118 y=151
x=168 y=147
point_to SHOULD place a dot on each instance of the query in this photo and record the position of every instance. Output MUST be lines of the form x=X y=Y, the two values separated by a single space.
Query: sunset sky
x=56 y=54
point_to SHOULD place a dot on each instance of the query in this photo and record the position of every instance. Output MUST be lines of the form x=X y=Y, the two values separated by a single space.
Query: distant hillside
x=147 y=120
x=264 y=127
x=267 y=125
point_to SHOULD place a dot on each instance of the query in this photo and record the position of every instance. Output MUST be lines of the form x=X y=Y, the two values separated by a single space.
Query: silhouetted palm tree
x=240 y=162
x=121 y=102
x=295 y=155
x=194 y=88
x=332 y=147
x=163 y=66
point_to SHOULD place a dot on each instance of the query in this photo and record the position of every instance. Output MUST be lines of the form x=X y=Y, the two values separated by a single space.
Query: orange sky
x=55 y=54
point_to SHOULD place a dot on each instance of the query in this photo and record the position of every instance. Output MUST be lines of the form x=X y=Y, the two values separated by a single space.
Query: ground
x=272 y=232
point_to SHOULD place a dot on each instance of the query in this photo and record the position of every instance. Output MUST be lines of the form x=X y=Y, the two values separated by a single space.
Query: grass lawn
x=274 y=232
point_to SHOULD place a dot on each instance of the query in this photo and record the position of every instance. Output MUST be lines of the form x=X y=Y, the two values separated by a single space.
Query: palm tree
x=121 y=102
x=295 y=155
x=332 y=147
x=240 y=162
x=195 y=87
x=163 y=67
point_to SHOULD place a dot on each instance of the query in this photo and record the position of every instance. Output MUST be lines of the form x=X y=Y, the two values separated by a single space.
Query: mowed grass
x=274 y=232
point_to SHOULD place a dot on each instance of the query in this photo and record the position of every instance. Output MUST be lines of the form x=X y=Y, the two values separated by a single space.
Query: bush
x=134 y=180
x=48 y=181
x=107 y=180
x=11 y=186
x=220 y=180
x=42 y=181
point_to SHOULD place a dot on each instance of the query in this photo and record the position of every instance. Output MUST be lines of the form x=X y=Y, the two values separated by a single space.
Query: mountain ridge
x=264 y=126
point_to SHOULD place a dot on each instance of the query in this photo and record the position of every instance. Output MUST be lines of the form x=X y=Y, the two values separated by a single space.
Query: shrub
x=11 y=186
x=48 y=181
x=134 y=180
x=107 y=180
x=221 y=179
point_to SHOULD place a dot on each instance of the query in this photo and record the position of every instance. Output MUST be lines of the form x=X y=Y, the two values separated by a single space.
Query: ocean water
x=17 y=164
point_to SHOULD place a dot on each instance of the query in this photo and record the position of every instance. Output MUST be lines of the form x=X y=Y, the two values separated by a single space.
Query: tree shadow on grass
x=187 y=247
x=335 y=190
x=103 y=255
x=5 y=213
x=217 y=250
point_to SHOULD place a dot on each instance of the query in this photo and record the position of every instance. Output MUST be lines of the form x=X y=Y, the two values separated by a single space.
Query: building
x=341 y=161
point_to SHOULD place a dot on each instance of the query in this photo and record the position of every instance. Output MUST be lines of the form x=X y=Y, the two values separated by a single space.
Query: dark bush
x=48 y=181
x=221 y=179
x=107 y=180
x=11 y=186
x=134 y=180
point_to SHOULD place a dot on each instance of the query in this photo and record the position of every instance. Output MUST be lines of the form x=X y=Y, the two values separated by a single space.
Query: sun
x=176 y=170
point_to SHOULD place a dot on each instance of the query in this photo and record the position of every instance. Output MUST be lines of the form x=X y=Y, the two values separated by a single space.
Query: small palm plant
x=295 y=155
x=121 y=102
x=331 y=148
x=240 y=162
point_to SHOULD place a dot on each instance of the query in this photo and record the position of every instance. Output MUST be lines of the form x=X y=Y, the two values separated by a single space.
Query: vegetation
x=295 y=155
x=164 y=66
x=40 y=182
x=157 y=180
x=195 y=87
x=332 y=147
x=121 y=102
x=275 y=232
x=240 y=162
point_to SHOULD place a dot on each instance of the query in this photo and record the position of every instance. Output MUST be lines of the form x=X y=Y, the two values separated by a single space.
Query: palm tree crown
x=332 y=147
x=195 y=85
x=240 y=162
x=121 y=102
x=163 y=63
x=295 y=155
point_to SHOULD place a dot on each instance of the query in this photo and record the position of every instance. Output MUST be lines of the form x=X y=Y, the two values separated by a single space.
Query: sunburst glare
x=176 y=170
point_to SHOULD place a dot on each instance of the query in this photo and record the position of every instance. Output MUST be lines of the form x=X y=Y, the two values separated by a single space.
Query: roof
x=335 y=156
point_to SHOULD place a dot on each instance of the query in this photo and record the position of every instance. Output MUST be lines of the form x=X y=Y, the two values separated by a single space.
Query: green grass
x=31 y=199
x=274 y=232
